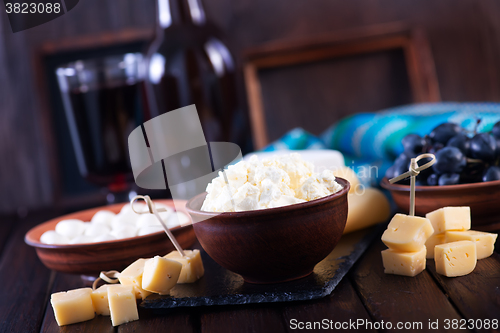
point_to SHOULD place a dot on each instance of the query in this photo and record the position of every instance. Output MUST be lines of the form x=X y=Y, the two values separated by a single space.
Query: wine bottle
x=188 y=63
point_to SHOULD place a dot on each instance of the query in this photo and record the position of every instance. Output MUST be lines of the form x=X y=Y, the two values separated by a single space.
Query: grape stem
x=473 y=160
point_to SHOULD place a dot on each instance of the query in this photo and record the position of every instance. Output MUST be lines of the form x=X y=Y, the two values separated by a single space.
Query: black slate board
x=222 y=287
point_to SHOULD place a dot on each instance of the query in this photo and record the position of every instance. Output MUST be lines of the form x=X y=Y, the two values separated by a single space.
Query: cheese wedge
x=100 y=300
x=404 y=263
x=407 y=233
x=485 y=241
x=449 y=218
x=192 y=266
x=122 y=304
x=370 y=200
x=431 y=242
x=73 y=306
x=132 y=276
x=456 y=258
x=160 y=275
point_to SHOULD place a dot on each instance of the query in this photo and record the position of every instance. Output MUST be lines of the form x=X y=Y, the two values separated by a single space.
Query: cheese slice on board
x=366 y=209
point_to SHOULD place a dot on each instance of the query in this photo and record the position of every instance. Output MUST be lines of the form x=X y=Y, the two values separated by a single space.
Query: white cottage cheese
x=259 y=184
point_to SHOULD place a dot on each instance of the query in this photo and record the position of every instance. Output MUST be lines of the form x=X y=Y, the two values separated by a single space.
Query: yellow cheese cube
x=160 y=275
x=100 y=300
x=485 y=241
x=132 y=275
x=456 y=258
x=432 y=241
x=192 y=266
x=407 y=233
x=122 y=304
x=403 y=263
x=450 y=218
x=73 y=306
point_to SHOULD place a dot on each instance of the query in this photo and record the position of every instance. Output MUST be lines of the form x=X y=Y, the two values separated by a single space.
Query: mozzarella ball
x=124 y=231
x=149 y=230
x=124 y=219
x=94 y=230
x=104 y=238
x=147 y=220
x=52 y=237
x=178 y=218
x=70 y=228
x=82 y=239
x=103 y=217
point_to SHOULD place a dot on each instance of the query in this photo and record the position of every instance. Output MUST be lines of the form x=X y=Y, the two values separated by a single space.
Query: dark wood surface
x=365 y=294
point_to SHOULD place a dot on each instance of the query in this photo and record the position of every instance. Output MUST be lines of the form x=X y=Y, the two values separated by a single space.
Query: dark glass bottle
x=188 y=63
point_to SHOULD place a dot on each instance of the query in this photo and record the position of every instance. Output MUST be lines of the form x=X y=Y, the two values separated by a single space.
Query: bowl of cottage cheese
x=271 y=220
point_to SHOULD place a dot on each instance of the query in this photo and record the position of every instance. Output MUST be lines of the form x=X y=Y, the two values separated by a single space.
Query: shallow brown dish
x=273 y=245
x=483 y=199
x=90 y=259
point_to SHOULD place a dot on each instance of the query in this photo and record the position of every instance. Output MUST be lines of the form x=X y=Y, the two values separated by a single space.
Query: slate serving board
x=222 y=287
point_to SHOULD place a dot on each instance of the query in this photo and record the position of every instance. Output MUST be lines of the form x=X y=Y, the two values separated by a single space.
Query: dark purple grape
x=493 y=173
x=472 y=173
x=427 y=145
x=400 y=166
x=426 y=172
x=449 y=179
x=495 y=131
x=449 y=160
x=498 y=148
x=435 y=148
x=413 y=145
x=444 y=132
x=420 y=182
x=389 y=174
x=432 y=180
x=483 y=146
x=460 y=141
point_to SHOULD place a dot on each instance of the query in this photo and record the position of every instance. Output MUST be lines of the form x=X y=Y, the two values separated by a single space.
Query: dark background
x=464 y=37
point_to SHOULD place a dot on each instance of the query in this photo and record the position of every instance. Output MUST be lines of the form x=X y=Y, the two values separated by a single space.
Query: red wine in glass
x=103 y=103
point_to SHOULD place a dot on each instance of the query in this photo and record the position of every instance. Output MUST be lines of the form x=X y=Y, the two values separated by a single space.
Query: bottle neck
x=177 y=12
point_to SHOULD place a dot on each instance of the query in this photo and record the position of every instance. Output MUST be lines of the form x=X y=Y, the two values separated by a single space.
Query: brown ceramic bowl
x=273 y=245
x=90 y=259
x=483 y=199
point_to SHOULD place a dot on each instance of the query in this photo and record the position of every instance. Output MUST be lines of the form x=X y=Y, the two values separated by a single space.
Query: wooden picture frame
x=418 y=59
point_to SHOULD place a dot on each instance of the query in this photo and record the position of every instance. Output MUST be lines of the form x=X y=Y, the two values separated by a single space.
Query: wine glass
x=103 y=103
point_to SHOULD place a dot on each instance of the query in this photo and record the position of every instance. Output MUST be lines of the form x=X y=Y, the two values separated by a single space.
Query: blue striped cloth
x=375 y=138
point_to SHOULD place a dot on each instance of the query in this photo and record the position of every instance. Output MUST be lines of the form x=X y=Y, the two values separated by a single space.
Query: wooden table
x=366 y=295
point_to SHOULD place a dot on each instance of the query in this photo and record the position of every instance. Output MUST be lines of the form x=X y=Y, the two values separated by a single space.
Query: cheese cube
x=122 y=304
x=456 y=258
x=485 y=241
x=160 y=275
x=192 y=266
x=432 y=241
x=100 y=300
x=407 y=233
x=132 y=275
x=404 y=263
x=450 y=218
x=73 y=306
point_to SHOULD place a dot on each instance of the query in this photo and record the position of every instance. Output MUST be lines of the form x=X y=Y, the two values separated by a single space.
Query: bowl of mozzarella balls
x=108 y=238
